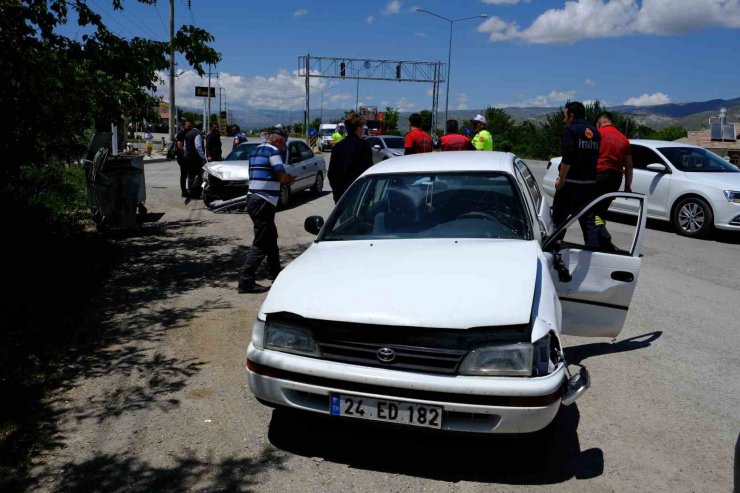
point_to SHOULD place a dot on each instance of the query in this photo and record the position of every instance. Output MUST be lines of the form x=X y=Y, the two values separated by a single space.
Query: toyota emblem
x=386 y=354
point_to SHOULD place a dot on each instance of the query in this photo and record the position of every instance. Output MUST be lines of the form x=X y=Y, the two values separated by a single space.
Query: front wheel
x=284 y=196
x=693 y=217
x=318 y=185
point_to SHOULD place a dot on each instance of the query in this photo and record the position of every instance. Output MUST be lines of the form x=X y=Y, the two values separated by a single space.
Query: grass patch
x=56 y=265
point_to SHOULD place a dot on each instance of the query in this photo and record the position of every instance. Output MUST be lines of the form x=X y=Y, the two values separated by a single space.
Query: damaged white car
x=433 y=297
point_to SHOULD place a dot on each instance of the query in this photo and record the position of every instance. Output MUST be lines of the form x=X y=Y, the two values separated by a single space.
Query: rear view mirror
x=313 y=224
x=659 y=167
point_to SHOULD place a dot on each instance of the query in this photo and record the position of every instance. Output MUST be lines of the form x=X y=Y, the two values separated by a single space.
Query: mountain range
x=691 y=116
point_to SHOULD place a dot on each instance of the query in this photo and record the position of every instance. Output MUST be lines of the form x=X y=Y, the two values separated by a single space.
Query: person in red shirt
x=454 y=141
x=417 y=140
x=615 y=163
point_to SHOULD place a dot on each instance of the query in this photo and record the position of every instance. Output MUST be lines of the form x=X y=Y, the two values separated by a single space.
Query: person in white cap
x=482 y=140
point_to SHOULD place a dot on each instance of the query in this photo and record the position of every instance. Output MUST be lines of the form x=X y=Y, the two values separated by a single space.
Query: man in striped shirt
x=266 y=175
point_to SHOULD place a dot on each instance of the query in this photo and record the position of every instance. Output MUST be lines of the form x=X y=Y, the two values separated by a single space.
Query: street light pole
x=449 y=51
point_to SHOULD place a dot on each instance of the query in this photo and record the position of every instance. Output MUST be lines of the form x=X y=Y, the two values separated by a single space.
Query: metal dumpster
x=116 y=190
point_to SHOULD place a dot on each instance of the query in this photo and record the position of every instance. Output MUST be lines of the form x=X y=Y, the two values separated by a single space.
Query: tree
x=426 y=120
x=499 y=123
x=315 y=124
x=58 y=87
x=390 y=118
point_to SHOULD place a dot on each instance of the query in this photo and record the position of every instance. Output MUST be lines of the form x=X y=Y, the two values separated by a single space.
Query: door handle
x=624 y=276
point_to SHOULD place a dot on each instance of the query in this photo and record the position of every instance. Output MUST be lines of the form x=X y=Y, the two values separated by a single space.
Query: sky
x=525 y=53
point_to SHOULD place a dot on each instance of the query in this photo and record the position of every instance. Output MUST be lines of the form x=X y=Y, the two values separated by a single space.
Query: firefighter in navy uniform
x=576 y=183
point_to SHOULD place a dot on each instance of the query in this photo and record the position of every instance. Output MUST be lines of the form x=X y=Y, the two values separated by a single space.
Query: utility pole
x=173 y=108
x=208 y=115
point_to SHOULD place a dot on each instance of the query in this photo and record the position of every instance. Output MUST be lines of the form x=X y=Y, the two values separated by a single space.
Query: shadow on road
x=113 y=473
x=73 y=325
x=548 y=457
x=303 y=197
x=576 y=354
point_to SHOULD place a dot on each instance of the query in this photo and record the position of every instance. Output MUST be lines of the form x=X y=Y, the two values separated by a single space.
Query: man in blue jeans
x=266 y=174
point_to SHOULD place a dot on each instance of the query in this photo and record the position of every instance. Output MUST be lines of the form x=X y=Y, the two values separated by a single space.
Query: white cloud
x=278 y=91
x=587 y=19
x=649 y=100
x=462 y=101
x=420 y=34
x=430 y=92
x=393 y=7
x=404 y=105
x=589 y=82
x=369 y=19
x=554 y=98
x=300 y=13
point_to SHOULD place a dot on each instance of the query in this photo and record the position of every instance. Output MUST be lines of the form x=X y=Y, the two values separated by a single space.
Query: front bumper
x=471 y=404
x=726 y=215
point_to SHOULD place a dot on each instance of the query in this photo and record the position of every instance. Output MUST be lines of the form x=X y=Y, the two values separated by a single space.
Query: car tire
x=693 y=217
x=318 y=185
x=207 y=199
x=284 y=196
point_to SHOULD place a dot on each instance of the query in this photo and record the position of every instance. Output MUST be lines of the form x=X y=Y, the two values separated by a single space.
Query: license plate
x=407 y=413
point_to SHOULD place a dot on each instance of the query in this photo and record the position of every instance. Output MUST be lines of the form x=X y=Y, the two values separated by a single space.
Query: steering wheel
x=481 y=215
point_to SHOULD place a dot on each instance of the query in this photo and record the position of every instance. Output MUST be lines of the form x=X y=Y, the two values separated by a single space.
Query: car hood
x=725 y=181
x=228 y=170
x=456 y=284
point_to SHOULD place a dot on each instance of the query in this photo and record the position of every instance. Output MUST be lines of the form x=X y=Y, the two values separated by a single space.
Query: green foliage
x=669 y=133
x=58 y=87
x=390 y=118
x=426 y=120
x=499 y=123
x=315 y=124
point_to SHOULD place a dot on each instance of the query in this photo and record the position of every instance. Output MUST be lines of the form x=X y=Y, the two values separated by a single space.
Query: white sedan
x=433 y=297
x=685 y=184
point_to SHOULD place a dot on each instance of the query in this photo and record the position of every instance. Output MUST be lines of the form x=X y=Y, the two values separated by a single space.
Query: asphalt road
x=162 y=405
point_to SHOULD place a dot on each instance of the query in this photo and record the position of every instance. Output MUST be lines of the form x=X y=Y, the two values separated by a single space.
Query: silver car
x=385 y=146
x=223 y=180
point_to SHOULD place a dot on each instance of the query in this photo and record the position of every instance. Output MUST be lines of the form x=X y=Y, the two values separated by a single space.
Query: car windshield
x=394 y=142
x=241 y=152
x=695 y=159
x=326 y=131
x=430 y=205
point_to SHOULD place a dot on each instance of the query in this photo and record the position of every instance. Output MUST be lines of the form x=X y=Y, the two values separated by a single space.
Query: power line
x=161 y=21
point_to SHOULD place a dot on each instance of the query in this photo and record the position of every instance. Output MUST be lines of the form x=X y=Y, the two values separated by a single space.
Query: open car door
x=596 y=299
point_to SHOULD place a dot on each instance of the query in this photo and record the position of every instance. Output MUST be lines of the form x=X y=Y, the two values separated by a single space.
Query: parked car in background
x=688 y=185
x=223 y=180
x=447 y=301
x=326 y=130
x=385 y=147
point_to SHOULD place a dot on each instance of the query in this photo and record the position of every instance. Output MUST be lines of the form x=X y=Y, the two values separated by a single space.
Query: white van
x=325 y=132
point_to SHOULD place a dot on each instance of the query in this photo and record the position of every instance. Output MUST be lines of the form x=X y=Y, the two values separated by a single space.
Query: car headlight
x=732 y=196
x=503 y=360
x=289 y=339
x=543 y=364
x=258 y=334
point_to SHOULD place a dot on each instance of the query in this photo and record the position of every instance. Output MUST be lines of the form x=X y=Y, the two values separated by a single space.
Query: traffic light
x=342 y=69
x=398 y=71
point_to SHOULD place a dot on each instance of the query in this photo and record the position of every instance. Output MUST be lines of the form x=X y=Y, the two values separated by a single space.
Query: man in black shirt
x=180 y=152
x=576 y=183
x=349 y=158
x=213 y=144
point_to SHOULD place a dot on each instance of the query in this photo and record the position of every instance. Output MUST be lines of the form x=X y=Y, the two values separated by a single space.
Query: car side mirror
x=376 y=147
x=313 y=224
x=658 y=167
